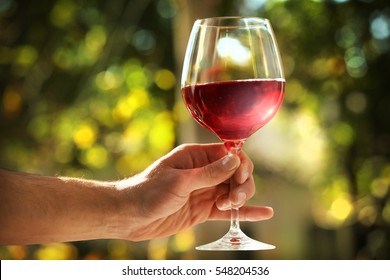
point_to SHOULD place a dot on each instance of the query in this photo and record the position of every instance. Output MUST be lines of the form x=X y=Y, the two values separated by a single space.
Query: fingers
x=245 y=170
x=214 y=173
x=246 y=213
x=238 y=169
x=240 y=193
x=242 y=186
x=237 y=195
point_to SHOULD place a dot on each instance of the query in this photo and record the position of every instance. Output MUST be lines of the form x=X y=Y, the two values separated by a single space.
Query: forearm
x=41 y=209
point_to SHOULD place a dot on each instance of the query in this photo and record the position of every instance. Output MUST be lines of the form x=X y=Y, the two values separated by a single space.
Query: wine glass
x=233 y=84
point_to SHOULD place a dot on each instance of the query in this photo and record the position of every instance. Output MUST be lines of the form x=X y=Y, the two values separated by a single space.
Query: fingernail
x=241 y=196
x=244 y=176
x=225 y=206
x=229 y=162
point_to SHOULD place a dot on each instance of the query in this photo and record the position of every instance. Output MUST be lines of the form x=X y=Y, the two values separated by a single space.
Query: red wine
x=234 y=110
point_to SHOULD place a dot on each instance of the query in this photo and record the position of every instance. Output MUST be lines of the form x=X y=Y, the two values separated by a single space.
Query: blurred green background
x=90 y=88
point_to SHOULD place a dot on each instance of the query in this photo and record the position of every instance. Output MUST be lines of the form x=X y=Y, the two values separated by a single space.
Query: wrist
x=126 y=208
x=97 y=209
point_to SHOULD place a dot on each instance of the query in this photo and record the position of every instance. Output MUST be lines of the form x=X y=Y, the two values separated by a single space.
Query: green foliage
x=337 y=58
x=80 y=95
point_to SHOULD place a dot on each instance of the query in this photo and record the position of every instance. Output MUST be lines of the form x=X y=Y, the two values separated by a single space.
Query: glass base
x=235 y=241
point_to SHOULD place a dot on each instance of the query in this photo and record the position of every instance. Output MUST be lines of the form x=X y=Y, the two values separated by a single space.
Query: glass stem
x=234 y=220
x=235 y=213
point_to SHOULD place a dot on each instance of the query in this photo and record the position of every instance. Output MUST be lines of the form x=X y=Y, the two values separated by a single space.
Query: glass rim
x=240 y=21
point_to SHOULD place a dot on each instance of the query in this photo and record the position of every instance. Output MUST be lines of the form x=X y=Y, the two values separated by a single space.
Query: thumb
x=215 y=172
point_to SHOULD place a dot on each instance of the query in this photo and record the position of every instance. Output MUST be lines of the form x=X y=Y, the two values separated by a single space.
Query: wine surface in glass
x=234 y=110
